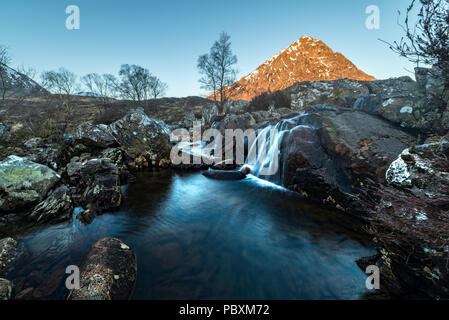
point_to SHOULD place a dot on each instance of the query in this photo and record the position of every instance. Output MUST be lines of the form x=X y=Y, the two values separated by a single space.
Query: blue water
x=196 y=238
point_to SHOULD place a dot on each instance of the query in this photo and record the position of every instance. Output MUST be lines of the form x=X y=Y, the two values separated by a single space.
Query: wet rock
x=24 y=183
x=224 y=174
x=108 y=272
x=12 y=253
x=57 y=207
x=95 y=135
x=95 y=181
x=329 y=152
x=139 y=135
x=6 y=289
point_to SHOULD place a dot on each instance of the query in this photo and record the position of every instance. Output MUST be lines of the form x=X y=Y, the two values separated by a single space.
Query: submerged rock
x=6 y=289
x=108 y=272
x=24 y=183
x=12 y=252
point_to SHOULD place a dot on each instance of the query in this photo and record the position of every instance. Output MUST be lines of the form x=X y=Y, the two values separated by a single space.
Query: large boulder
x=410 y=221
x=138 y=135
x=95 y=181
x=329 y=152
x=24 y=183
x=108 y=272
x=95 y=135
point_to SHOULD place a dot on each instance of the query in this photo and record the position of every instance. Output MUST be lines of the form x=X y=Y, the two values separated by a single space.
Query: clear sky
x=167 y=36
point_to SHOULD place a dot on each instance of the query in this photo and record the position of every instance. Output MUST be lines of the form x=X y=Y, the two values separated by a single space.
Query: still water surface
x=196 y=238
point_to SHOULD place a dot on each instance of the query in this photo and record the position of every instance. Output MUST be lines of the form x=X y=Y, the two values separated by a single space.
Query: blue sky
x=168 y=36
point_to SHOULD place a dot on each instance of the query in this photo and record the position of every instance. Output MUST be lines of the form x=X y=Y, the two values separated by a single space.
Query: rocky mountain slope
x=307 y=59
x=15 y=84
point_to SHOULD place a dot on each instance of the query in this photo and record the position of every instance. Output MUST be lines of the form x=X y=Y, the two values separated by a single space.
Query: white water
x=264 y=157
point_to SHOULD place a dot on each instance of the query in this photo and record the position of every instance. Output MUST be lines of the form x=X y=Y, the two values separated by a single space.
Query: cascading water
x=265 y=157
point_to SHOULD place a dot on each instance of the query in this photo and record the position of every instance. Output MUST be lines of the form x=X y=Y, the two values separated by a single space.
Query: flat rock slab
x=108 y=272
x=224 y=174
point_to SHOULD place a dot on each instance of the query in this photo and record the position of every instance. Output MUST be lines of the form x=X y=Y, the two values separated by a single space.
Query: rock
x=108 y=272
x=224 y=174
x=237 y=106
x=409 y=221
x=24 y=183
x=189 y=119
x=12 y=253
x=95 y=181
x=57 y=207
x=342 y=92
x=47 y=152
x=234 y=121
x=116 y=155
x=5 y=132
x=139 y=135
x=6 y=289
x=329 y=152
x=209 y=114
x=95 y=135
x=369 y=103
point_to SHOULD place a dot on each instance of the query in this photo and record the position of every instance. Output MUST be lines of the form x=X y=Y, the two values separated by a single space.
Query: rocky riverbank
x=376 y=150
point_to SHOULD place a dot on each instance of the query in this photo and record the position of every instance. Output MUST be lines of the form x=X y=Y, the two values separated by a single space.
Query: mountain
x=15 y=84
x=307 y=59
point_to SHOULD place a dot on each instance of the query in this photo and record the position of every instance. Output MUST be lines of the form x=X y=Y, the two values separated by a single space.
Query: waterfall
x=265 y=156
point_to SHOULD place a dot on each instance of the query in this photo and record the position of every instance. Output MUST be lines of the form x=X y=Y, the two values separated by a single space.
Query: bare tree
x=6 y=81
x=64 y=84
x=157 y=87
x=61 y=82
x=5 y=57
x=138 y=84
x=133 y=82
x=426 y=40
x=103 y=86
x=217 y=68
x=30 y=72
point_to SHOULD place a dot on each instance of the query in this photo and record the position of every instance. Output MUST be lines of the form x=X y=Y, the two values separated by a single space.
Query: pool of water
x=197 y=238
